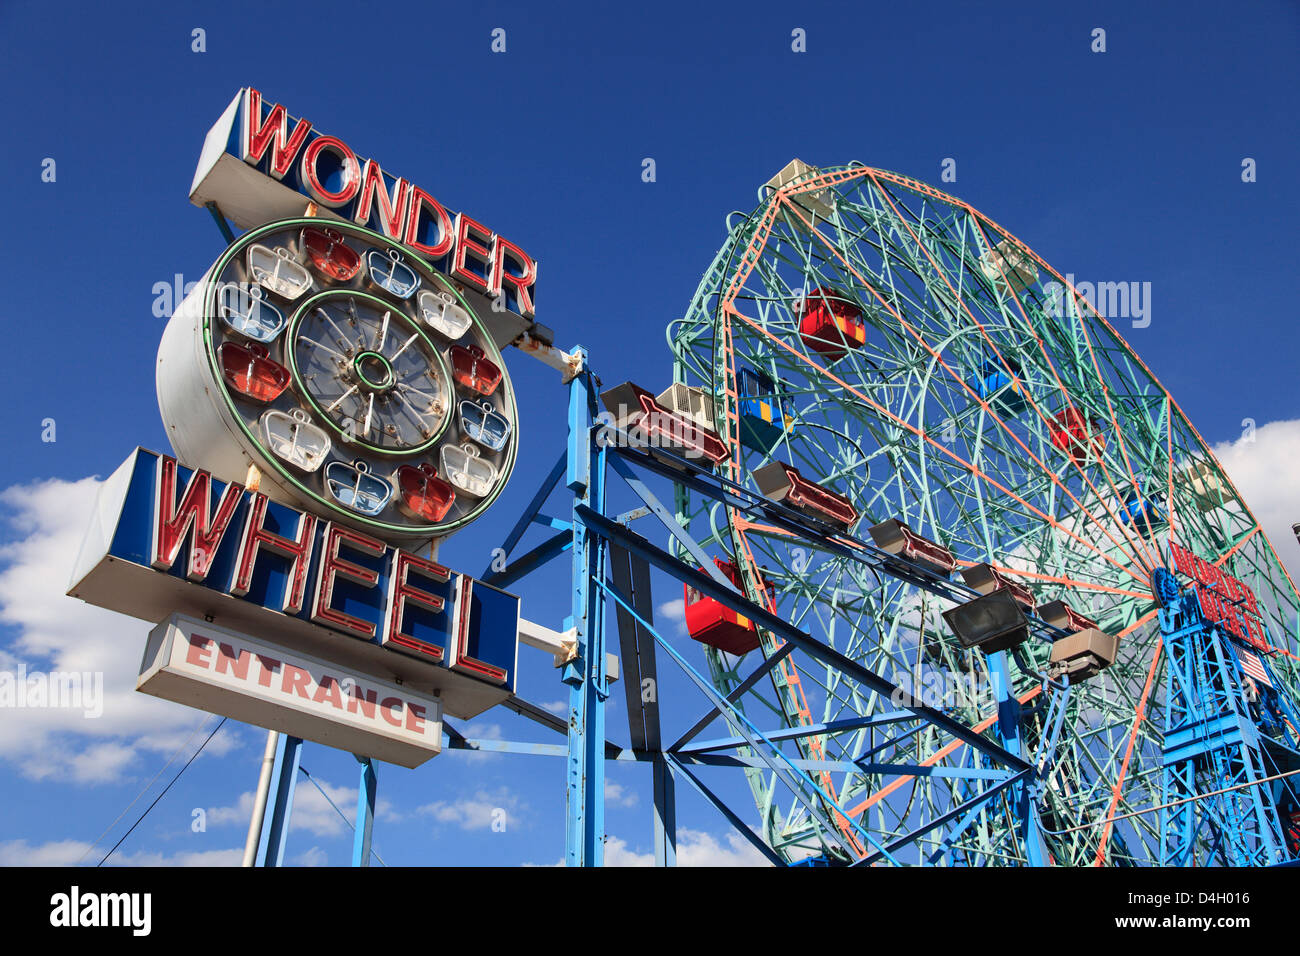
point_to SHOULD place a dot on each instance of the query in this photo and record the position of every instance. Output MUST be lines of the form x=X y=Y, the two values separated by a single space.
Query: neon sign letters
x=291 y=152
x=170 y=539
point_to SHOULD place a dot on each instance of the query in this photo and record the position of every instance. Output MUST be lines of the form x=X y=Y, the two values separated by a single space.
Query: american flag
x=1251 y=665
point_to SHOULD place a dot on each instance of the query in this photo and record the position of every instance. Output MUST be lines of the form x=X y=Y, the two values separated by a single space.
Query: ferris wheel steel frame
x=1000 y=765
x=780 y=231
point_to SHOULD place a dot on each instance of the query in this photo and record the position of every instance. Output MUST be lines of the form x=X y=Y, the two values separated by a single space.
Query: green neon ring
x=429 y=274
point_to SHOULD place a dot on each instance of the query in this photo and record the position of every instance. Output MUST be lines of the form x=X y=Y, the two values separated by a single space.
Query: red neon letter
x=331 y=566
x=296 y=549
x=172 y=522
x=466 y=244
x=461 y=660
x=391 y=208
x=400 y=591
x=311 y=175
x=415 y=208
x=257 y=135
x=522 y=282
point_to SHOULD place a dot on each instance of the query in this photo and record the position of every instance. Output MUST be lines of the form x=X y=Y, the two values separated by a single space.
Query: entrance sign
x=260 y=682
x=168 y=539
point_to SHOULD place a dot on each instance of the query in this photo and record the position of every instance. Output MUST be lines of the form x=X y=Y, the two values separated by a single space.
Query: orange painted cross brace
x=1029 y=397
x=1138 y=716
x=729 y=307
x=979 y=473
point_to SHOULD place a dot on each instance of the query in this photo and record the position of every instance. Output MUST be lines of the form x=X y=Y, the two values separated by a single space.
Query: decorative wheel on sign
x=902 y=369
x=356 y=378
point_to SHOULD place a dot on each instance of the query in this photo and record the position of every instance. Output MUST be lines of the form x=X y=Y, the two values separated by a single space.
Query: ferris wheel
x=905 y=368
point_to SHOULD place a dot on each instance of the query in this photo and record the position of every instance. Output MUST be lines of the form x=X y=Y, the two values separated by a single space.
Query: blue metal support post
x=585 y=674
x=665 y=814
x=284 y=779
x=365 y=824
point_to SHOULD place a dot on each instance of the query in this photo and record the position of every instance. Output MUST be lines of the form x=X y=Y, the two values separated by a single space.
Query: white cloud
x=558 y=707
x=478 y=812
x=675 y=611
x=312 y=813
x=1263 y=471
x=70 y=852
x=47 y=520
x=619 y=795
x=694 y=848
x=313 y=857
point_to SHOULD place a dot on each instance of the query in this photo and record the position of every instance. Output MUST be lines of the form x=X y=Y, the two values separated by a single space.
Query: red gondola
x=1077 y=435
x=831 y=324
x=712 y=622
x=329 y=254
x=471 y=368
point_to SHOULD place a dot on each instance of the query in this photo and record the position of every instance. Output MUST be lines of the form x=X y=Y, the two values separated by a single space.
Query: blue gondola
x=353 y=486
x=391 y=274
x=484 y=425
x=246 y=311
x=1143 y=513
x=992 y=377
x=762 y=416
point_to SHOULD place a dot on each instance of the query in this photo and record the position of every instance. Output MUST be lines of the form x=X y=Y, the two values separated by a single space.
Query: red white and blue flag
x=1252 y=666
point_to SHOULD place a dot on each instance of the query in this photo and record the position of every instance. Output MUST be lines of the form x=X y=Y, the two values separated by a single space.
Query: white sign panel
x=259 y=682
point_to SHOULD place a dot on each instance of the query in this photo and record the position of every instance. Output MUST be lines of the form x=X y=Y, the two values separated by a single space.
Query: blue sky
x=1120 y=166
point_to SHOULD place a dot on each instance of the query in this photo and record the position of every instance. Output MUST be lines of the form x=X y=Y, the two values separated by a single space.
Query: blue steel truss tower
x=1230 y=742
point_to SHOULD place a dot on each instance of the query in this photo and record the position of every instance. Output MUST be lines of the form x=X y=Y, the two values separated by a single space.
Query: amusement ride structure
x=905 y=452
x=970 y=588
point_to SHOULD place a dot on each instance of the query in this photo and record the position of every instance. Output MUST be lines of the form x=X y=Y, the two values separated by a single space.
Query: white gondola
x=391 y=274
x=1206 y=486
x=442 y=313
x=484 y=425
x=353 y=486
x=293 y=439
x=245 y=310
x=467 y=472
x=276 y=271
x=1006 y=264
x=689 y=402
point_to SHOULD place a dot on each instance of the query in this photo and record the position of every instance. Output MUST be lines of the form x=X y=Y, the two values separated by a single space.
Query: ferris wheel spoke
x=1138 y=488
x=978 y=472
x=339 y=401
x=1067 y=393
x=1135 y=541
x=958 y=379
x=323 y=347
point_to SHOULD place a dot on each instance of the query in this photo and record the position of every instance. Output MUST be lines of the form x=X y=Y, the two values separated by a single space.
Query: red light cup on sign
x=250 y=373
